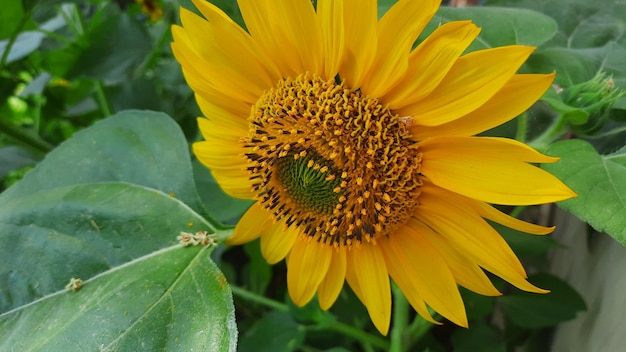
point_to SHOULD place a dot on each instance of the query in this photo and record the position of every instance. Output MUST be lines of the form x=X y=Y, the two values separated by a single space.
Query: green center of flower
x=305 y=180
x=335 y=163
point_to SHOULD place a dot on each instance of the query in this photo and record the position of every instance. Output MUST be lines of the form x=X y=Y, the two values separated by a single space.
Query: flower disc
x=334 y=162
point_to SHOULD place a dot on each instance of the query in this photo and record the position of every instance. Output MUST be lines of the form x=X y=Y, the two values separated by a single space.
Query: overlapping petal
x=471 y=81
x=494 y=170
x=307 y=266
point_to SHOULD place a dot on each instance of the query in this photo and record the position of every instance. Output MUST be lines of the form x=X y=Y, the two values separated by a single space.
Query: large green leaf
x=600 y=182
x=172 y=300
x=81 y=231
x=139 y=147
x=102 y=207
x=500 y=26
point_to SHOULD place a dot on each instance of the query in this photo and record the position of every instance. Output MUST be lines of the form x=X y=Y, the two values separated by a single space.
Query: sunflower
x=358 y=146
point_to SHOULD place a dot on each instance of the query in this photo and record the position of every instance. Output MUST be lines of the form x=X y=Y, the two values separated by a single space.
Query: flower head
x=360 y=150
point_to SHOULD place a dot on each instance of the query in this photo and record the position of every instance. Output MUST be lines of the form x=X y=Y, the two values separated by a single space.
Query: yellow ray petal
x=268 y=32
x=397 y=31
x=232 y=114
x=230 y=129
x=231 y=100
x=234 y=73
x=431 y=61
x=308 y=264
x=402 y=278
x=472 y=236
x=467 y=273
x=254 y=223
x=360 y=18
x=235 y=42
x=276 y=244
x=330 y=287
x=373 y=280
x=493 y=214
x=352 y=280
x=493 y=170
x=426 y=271
x=298 y=22
x=472 y=81
x=330 y=18
x=227 y=171
x=517 y=95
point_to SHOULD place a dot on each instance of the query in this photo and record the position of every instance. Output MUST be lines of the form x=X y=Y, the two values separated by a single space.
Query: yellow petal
x=397 y=31
x=352 y=280
x=276 y=244
x=493 y=214
x=227 y=169
x=235 y=74
x=426 y=271
x=493 y=170
x=402 y=278
x=254 y=223
x=373 y=281
x=470 y=83
x=235 y=42
x=228 y=100
x=299 y=26
x=330 y=18
x=267 y=30
x=360 y=18
x=229 y=129
x=431 y=61
x=514 y=98
x=308 y=264
x=467 y=273
x=472 y=236
x=330 y=287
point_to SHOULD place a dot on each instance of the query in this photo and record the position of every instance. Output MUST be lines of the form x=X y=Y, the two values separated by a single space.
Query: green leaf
x=10 y=16
x=500 y=26
x=479 y=337
x=575 y=66
x=82 y=231
x=172 y=300
x=139 y=147
x=12 y=158
x=600 y=182
x=276 y=331
x=531 y=310
x=117 y=44
x=582 y=23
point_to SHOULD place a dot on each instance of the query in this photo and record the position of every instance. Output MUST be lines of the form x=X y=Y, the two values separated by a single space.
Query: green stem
x=359 y=335
x=400 y=320
x=418 y=328
x=102 y=99
x=554 y=132
x=28 y=140
x=517 y=211
x=608 y=133
x=13 y=38
x=522 y=127
x=253 y=297
x=336 y=326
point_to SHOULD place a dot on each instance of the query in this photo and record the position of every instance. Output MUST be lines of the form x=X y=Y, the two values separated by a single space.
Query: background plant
x=95 y=191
